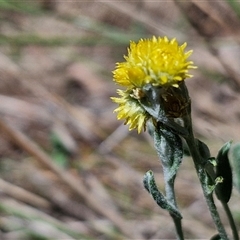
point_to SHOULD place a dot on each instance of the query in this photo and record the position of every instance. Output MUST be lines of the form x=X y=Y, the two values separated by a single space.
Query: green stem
x=178 y=227
x=202 y=177
x=231 y=221
x=170 y=195
x=208 y=197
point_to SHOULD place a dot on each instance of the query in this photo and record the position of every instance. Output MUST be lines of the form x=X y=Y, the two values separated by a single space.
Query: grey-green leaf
x=170 y=150
x=159 y=198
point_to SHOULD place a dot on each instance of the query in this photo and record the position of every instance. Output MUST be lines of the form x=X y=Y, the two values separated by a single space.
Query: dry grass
x=68 y=169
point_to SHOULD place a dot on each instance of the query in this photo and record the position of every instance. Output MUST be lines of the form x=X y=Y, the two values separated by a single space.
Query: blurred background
x=68 y=168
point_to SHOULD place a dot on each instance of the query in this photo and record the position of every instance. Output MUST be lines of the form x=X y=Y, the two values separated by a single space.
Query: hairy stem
x=170 y=195
x=202 y=177
x=231 y=221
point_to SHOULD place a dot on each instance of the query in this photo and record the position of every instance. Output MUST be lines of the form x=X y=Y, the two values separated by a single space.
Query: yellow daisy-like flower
x=157 y=61
x=130 y=110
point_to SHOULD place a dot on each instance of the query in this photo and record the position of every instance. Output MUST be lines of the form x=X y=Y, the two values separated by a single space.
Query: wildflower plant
x=154 y=97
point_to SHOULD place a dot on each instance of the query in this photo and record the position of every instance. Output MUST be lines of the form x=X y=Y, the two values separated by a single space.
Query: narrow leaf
x=203 y=150
x=170 y=150
x=159 y=198
x=223 y=169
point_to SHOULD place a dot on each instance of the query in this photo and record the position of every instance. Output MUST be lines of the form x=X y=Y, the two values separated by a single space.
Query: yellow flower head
x=157 y=61
x=131 y=111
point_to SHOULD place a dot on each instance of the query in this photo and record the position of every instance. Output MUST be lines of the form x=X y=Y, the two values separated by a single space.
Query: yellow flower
x=131 y=111
x=157 y=61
